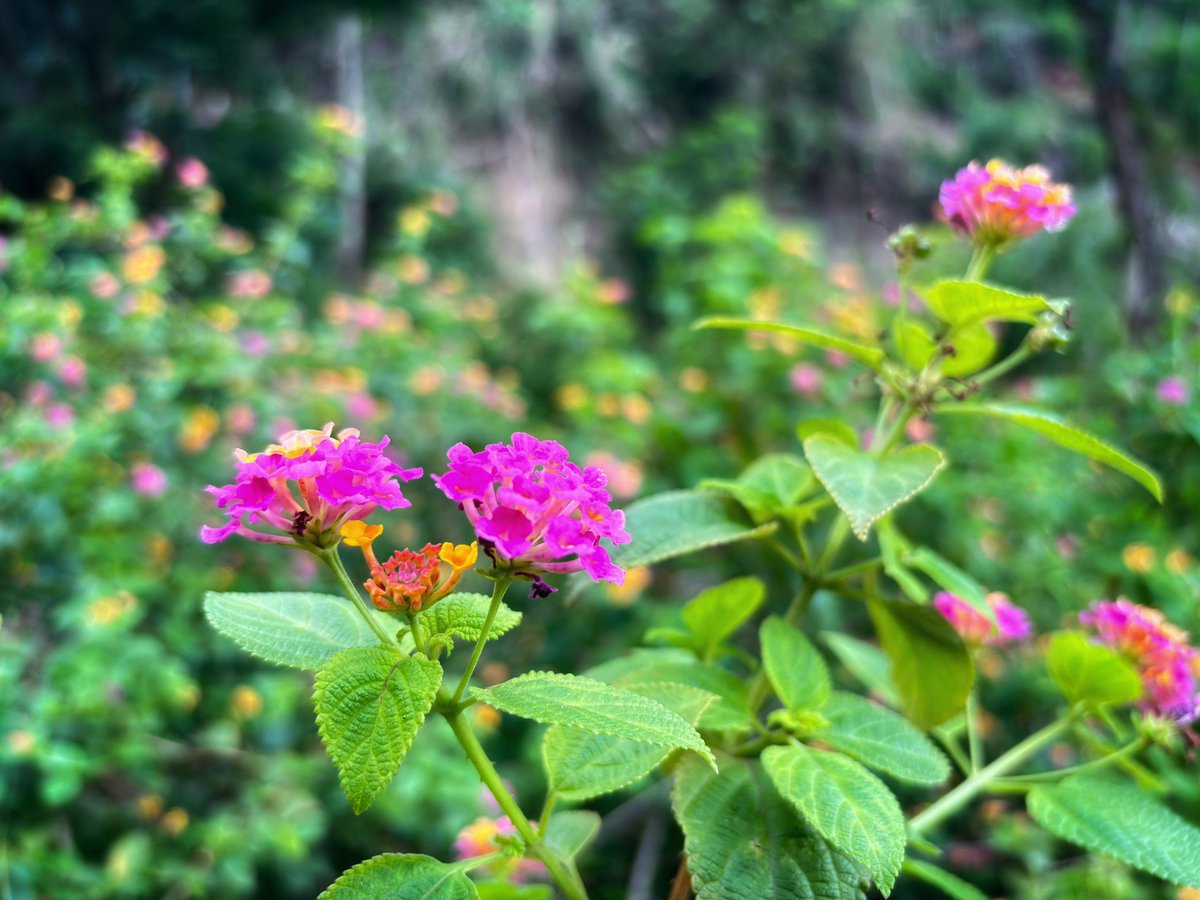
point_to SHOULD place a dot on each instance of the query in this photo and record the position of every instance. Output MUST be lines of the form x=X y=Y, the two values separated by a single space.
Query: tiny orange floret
x=357 y=533
x=459 y=556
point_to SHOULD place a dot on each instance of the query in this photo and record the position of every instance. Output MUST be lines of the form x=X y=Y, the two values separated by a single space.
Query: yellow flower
x=1178 y=561
x=175 y=821
x=459 y=556
x=1138 y=558
x=143 y=264
x=245 y=702
x=61 y=189
x=636 y=580
x=357 y=533
x=414 y=221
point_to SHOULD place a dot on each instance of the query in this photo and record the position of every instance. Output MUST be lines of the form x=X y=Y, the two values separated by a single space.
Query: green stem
x=330 y=557
x=547 y=811
x=1010 y=362
x=1130 y=749
x=503 y=580
x=974 y=745
x=951 y=803
x=980 y=260
x=950 y=742
x=569 y=884
x=850 y=571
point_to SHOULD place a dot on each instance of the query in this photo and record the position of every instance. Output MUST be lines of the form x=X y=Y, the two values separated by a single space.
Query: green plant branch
x=503 y=580
x=567 y=881
x=955 y=800
x=330 y=557
x=950 y=742
x=1132 y=748
x=974 y=744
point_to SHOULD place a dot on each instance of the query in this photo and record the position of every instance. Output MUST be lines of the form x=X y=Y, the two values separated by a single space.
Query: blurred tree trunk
x=352 y=200
x=1148 y=258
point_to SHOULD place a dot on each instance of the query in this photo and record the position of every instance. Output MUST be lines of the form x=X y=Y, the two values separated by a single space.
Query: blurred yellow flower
x=571 y=397
x=693 y=379
x=1178 y=561
x=1139 y=558
x=245 y=702
x=486 y=717
x=149 y=304
x=412 y=269
x=223 y=318
x=60 y=189
x=149 y=806
x=143 y=264
x=118 y=398
x=174 y=821
x=198 y=429
x=795 y=243
x=637 y=580
x=608 y=405
x=636 y=409
x=414 y=221
x=426 y=380
x=21 y=743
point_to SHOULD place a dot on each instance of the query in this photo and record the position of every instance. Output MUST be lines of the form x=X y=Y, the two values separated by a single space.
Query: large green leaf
x=731 y=712
x=402 y=876
x=581 y=765
x=867 y=487
x=769 y=485
x=793 y=666
x=967 y=302
x=300 y=630
x=1088 y=673
x=866 y=662
x=950 y=885
x=1068 y=436
x=951 y=578
x=864 y=353
x=681 y=522
x=553 y=698
x=1121 y=821
x=744 y=842
x=371 y=701
x=931 y=666
x=881 y=739
x=850 y=807
x=970 y=348
x=463 y=615
x=569 y=831
x=719 y=611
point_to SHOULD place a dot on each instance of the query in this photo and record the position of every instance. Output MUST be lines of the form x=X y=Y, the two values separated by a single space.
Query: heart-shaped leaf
x=866 y=487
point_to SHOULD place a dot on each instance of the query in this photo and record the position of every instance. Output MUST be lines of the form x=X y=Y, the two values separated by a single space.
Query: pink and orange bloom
x=409 y=580
x=975 y=628
x=1166 y=662
x=534 y=510
x=484 y=836
x=996 y=203
x=335 y=480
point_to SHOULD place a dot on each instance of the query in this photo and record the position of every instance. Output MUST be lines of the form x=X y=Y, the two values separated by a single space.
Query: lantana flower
x=306 y=486
x=975 y=628
x=408 y=579
x=534 y=510
x=1165 y=660
x=484 y=836
x=996 y=203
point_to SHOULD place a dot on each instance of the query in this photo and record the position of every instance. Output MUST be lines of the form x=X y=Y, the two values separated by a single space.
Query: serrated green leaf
x=866 y=662
x=850 y=807
x=963 y=352
x=680 y=522
x=291 y=629
x=832 y=427
x=1065 y=435
x=931 y=667
x=504 y=890
x=730 y=713
x=402 y=876
x=967 y=302
x=718 y=612
x=793 y=666
x=1121 y=821
x=864 y=353
x=882 y=740
x=463 y=615
x=569 y=832
x=744 y=842
x=371 y=701
x=951 y=578
x=1088 y=673
x=866 y=487
x=950 y=885
x=581 y=765
x=557 y=699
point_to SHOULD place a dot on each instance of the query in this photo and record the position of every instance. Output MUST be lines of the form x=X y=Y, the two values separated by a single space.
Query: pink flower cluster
x=337 y=479
x=1166 y=662
x=534 y=510
x=479 y=839
x=995 y=204
x=1012 y=623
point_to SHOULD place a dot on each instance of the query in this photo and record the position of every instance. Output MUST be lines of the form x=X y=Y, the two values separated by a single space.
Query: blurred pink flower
x=38 y=393
x=148 y=479
x=805 y=379
x=837 y=359
x=919 y=430
x=251 y=283
x=45 y=346
x=192 y=173
x=147 y=146
x=60 y=415
x=240 y=419
x=361 y=406
x=104 y=285
x=995 y=204
x=1173 y=391
x=72 y=371
x=1012 y=624
x=480 y=838
x=255 y=343
x=613 y=291
x=624 y=478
